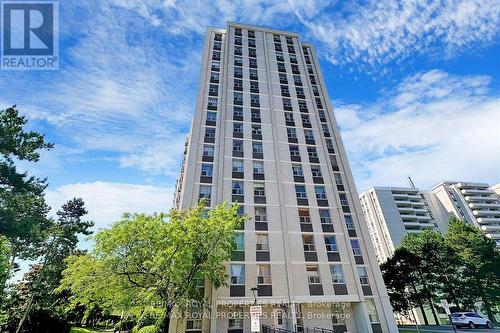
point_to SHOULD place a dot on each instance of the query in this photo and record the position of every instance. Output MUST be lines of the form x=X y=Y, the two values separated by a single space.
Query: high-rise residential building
x=474 y=203
x=496 y=189
x=264 y=135
x=391 y=213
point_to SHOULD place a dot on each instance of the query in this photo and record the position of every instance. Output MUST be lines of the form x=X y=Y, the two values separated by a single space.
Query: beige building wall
x=312 y=220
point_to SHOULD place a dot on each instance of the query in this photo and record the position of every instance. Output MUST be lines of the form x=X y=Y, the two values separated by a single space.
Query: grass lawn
x=84 y=330
x=402 y=330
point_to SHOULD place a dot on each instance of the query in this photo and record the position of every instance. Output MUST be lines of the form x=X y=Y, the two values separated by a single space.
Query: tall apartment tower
x=474 y=203
x=264 y=135
x=391 y=213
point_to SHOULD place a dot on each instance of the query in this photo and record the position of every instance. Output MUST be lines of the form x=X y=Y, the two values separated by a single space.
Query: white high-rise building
x=391 y=213
x=264 y=135
x=474 y=203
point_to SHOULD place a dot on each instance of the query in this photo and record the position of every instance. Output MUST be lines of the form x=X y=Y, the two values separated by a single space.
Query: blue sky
x=415 y=86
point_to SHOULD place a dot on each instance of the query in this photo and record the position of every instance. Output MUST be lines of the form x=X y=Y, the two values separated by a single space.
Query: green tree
x=402 y=279
x=61 y=243
x=4 y=265
x=22 y=206
x=481 y=263
x=159 y=259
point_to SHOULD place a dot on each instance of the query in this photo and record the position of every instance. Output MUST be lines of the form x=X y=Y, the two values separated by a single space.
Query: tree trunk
x=163 y=323
x=420 y=305
x=433 y=311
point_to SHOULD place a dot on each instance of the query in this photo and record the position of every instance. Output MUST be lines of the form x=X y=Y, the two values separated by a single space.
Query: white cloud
x=379 y=31
x=435 y=126
x=106 y=202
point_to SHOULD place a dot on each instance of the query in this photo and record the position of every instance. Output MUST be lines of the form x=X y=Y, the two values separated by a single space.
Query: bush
x=148 y=329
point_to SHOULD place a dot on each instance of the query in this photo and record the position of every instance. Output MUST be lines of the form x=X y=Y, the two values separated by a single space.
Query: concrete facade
x=391 y=213
x=264 y=135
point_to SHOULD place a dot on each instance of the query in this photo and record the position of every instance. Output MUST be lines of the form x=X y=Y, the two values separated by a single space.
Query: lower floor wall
x=308 y=317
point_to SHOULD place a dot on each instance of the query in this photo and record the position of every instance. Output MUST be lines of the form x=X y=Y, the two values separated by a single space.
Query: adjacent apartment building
x=264 y=135
x=391 y=213
x=475 y=203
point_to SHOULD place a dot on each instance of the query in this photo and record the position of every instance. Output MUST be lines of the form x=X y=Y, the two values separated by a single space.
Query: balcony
x=491 y=205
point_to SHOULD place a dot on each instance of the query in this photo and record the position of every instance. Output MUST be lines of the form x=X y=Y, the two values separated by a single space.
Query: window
x=252 y=63
x=211 y=116
x=194 y=324
x=259 y=190
x=308 y=243
x=277 y=47
x=254 y=74
x=238 y=85
x=237 y=31
x=291 y=49
x=343 y=199
x=255 y=100
x=311 y=152
x=306 y=122
x=316 y=172
x=212 y=103
x=262 y=242
x=300 y=92
x=210 y=132
x=254 y=86
x=238 y=128
x=320 y=192
x=213 y=90
x=237 y=272
x=207 y=170
x=237 y=165
x=216 y=66
x=237 y=188
x=310 y=69
x=304 y=216
x=285 y=91
x=237 y=40
x=315 y=90
x=237 y=145
x=235 y=322
x=324 y=216
x=251 y=42
x=329 y=145
x=205 y=192
x=264 y=274
x=214 y=77
x=283 y=78
x=289 y=117
x=251 y=34
x=295 y=69
x=287 y=104
x=238 y=61
x=294 y=151
x=218 y=37
x=238 y=50
x=318 y=103
x=308 y=134
x=348 y=222
x=238 y=112
x=252 y=52
x=293 y=58
x=258 y=167
x=297 y=80
x=277 y=38
x=238 y=98
x=325 y=129
x=303 y=106
x=289 y=40
x=256 y=130
x=363 y=275
x=241 y=211
x=238 y=72
x=281 y=67
x=208 y=150
x=255 y=115
x=260 y=214
x=297 y=170
x=313 y=274
x=334 y=163
x=216 y=55
x=356 y=250
x=372 y=310
x=239 y=241
x=338 y=179
x=279 y=56
x=257 y=147
x=291 y=133
x=331 y=244
x=337 y=274
x=300 y=192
